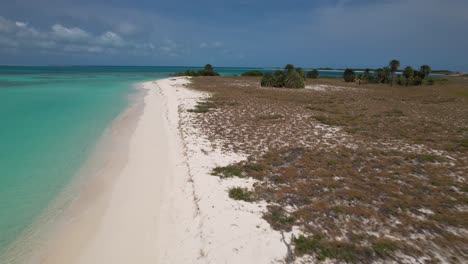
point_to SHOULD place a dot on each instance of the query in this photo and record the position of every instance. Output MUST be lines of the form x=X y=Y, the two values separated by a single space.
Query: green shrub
x=301 y=73
x=417 y=80
x=399 y=80
x=289 y=78
x=207 y=71
x=294 y=80
x=202 y=107
x=313 y=74
x=278 y=79
x=430 y=81
x=289 y=68
x=187 y=73
x=267 y=80
x=252 y=73
x=278 y=218
x=241 y=194
x=349 y=75
x=227 y=171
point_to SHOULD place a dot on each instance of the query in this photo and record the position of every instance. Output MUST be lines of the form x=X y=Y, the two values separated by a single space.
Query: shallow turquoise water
x=50 y=118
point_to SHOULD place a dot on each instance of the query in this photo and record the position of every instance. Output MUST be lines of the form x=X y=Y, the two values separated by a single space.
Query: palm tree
x=349 y=75
x=208 y=69
x=386 y=74
x=425 y=70
x=313 y=74
x=379 y=74
x=408 y=72
x=366 y=74
x=394 y=64
x=289 y=67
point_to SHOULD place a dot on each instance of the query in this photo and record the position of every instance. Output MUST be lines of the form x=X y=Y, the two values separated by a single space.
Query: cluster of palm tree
x=387 y=75
x=290 y=77
x=208 y=70
x=416 y=77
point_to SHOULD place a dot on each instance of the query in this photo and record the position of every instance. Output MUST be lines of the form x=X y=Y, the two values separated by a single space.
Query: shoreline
x=147 y=195
x=92 y=177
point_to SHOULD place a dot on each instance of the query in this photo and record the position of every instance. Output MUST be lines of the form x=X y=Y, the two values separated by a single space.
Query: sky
x=257 y=33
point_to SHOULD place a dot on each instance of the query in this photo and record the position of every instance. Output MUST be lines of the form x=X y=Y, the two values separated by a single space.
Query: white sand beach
x=153 y=200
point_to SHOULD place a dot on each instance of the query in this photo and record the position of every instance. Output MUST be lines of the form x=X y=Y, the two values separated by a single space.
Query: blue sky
x=321 y=33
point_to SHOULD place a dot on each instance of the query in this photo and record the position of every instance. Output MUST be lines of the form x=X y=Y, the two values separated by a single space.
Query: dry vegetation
x=366 y=173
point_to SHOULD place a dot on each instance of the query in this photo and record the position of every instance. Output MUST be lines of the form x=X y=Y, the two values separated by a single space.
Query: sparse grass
x=464 y=142
x=242 y=194
x=227 y=171
x=343 y=251
x=377 y=175
x=202 y=107
x=278 y=218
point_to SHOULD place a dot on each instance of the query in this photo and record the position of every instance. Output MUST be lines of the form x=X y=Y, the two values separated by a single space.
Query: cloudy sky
x=320 y=33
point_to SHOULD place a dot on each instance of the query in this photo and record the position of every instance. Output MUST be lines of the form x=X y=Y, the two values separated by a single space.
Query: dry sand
x=153 y=200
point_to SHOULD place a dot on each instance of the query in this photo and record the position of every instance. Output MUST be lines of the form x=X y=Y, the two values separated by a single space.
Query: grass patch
x=343 y=251
x=378 y=177
x=203 y=107
x=464 y=142
x=227 y=171
x=241 y=194
x=278 y=218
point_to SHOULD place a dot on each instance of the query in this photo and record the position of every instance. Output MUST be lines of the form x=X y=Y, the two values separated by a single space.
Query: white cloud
x=63 y=39
x=21 y=24
x=203 y=45
x=111 y=39
x=70 y=34
x=217 y=44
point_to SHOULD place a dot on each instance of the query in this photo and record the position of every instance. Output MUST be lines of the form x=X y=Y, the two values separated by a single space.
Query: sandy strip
x=154 y=201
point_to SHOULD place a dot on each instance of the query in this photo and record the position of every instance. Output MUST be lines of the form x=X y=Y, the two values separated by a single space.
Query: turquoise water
x=50 y=119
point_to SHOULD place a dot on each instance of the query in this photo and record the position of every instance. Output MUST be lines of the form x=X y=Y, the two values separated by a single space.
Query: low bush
x=399 y=80
x=207 y=71
x=278 y=79
x=344 y=251
x=241 y=194
x=291 y=77
x=267 y=80
x=252 y=73
x=417 y=80
x=227 y=171
x=294 y=80
x=349 y=75
x=313 y=74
